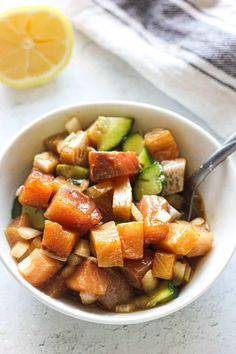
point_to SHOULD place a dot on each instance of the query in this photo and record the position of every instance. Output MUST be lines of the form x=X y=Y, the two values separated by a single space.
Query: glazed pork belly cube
x=106 y=244
x=58 y=240
x=73 y=210
x=89 y=278
x=37 y=190
x=110 y=164
x=38 y=268
x=161 y=144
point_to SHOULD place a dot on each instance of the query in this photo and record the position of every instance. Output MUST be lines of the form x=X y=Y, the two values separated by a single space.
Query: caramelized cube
x=58 y=240
x=88 y=278
x=37 y=268
x=154 y=229
x=73 y=150
x=161 y=144
x=106 y=243
x=110 y=164
x=73 y=210
x=37 y=190
x=131 y=236
x=122 y=199
x=46 y=162
x=163 y=265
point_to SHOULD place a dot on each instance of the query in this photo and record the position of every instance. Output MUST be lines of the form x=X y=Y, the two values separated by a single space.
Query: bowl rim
x=116 y=319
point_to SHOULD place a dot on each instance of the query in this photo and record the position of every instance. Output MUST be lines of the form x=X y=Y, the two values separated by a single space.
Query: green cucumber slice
x=36 y=216
x=145 y=158
x=166 y=292
x=69 y=171
x=108 y=132
x=134 y=142
x=16 y=208
x=149 y=182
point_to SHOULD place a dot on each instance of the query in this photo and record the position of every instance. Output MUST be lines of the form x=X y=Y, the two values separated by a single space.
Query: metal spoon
x=193 y=182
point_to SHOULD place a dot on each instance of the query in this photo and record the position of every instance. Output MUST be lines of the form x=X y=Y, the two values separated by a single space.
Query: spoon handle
x=228 y=147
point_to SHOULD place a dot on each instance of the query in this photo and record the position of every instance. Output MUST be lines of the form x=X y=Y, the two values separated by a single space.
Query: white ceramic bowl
x=218 y=191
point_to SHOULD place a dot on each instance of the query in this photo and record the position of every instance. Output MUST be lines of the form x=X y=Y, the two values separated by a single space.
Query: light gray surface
x=208 y=326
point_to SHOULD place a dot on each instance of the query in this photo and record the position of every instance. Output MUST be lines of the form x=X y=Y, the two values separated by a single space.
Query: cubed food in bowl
x=99 y=218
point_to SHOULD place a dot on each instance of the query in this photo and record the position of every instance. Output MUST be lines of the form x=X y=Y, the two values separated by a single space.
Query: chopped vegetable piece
x=163 y=265
x=34 y=243
x=54 y=255
x=174 y=171
x=136 y=215
x=105 y=165
x=69 y=171
x=37 y=268
x=125 y=308
x=73 y=210
x=166 y=292
x=27 y=233
x=180 y=239
x=73 y=125
x=56 y=287
x=106 y=244
x=46 y=162
x=134 y=142
x=161 y=144
x=82 y=248
x=107 y=132
x=119 y=291
x=149 y=182
x=36 y=216
x=88 y=278
x=122 y=199
x=174 y=214
x=54 y=141
x=81 y=183
x=198 y=222
x=16 y=209
x=19 y=249
x=74 y=260
x=154 y=229
x=102 y=195
x=131 y=236
x=11 y=230
x=175 y=200
x=67 y=271
x=135 y=269
x=149 y=282
x=163 y=216
x=58 y=240
x=203 y=243
x=145 y=158
x=181 y=273
x=87 y=298
x=73 y=150
x=37 y=190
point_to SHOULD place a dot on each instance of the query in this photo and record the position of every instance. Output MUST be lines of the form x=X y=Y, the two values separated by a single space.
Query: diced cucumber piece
x=145 y=158
x=69 y=171
x=108 y=132
x=150 y=181
x=36 y=216
x=134 y=142
x=166 y=292
x=16 y=208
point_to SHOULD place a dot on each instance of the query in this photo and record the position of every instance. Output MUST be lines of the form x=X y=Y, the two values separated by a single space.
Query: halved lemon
x=35 y=44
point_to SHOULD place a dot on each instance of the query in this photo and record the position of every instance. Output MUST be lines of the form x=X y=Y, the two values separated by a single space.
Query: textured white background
x=27 y=327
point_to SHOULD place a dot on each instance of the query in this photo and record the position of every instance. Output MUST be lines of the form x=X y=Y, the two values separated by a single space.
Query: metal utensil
x=193 y=182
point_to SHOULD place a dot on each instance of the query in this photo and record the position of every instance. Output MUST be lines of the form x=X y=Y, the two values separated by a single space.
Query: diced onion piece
x=179 y=271
x=93 y=259
x=187 y=273
x=18 y=191
x=19 y=249
x=163 y=216
x=198 y=221
x=149 y=283
x=73 y=125
x=67 y=271
x=126 y=308
x=84 y=185
x=87 y=298
x=73 y=259
x=46 y=162
x=174 y=213
x=28 y=233
x=136 y=214
x=82 y=248
x=54 y=256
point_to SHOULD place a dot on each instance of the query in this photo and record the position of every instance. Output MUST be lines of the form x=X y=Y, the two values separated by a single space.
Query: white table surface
x=207 y=326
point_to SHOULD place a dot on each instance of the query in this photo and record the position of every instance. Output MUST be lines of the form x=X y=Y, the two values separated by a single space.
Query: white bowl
x=218 y=191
